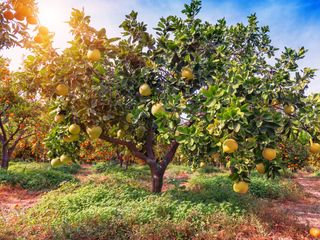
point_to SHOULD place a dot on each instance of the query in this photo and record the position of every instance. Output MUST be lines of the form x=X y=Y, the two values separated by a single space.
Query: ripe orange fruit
x=241 y=187
x=19 y=16
x=32 y=20
x=289 y=109
x=145 y=90
x=261 y=168
x=38 y=39
x=62 y=90
x=8 y=15
x=230 y=146
x=269 y=153
x=94 y=55
x=314 y=148
x=315 y=232
x=187 y=74
x=43 y=30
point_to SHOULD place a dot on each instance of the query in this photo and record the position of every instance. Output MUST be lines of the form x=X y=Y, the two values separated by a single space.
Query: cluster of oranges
x=21 y=12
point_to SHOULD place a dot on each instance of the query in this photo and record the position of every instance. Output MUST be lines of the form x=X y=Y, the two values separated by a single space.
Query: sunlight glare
x=54 y=14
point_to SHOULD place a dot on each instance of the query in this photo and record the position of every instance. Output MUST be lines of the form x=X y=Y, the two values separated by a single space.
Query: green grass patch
x=37 y=176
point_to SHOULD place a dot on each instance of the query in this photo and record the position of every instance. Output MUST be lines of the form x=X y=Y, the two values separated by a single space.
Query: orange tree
x=17 y=121
x=205 y=88
x=15 y=16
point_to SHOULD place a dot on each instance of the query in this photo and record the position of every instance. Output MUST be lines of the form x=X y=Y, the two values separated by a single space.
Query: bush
x=36 y=176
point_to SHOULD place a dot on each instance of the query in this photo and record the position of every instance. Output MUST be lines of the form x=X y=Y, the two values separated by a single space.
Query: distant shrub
x=37 y=176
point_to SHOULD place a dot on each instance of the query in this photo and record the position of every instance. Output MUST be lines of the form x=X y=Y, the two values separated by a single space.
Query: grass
x=120 y=206
x=37 y=176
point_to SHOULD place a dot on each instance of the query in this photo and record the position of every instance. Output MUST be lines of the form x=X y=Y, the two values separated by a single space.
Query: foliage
x=208 y=82
x=123 y=209
x=14 y=32
x=37 y=176
x=96 y=151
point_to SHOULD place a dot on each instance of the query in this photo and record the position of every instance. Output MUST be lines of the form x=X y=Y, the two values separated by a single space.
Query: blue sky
x=293 y=23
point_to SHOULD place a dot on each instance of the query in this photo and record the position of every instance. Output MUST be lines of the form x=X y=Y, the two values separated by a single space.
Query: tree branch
x=130 y=145
x=4 y=135
x=15 y=132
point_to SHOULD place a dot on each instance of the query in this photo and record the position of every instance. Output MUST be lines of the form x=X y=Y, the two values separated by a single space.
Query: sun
x=53 y=15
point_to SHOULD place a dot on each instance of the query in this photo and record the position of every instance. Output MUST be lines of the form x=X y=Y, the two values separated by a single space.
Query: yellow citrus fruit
x=315 y=232
x=202 y=164
x=261 y=168
x=157 y=109
x=94 y=55
x=241 y=187
x=55 y=162
x=269 y=153
x=314 y=148
x=145 y=90
x=187 y=74
x=288 y=109
x=129 y=117
x=74 y=129
x=94 y=132
x=230 y=146
x=62 y=90
x=65 y=159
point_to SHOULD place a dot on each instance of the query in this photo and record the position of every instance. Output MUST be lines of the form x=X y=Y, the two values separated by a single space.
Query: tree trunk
x=5 y=158
x=157 y=178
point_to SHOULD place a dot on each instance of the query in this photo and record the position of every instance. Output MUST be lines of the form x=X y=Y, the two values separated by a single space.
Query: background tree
x=193 y=86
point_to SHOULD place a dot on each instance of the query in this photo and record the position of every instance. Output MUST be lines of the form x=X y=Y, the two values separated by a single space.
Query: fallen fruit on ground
x=145 y=90
x=74 y=129
x=62 y=90
x=261 y=168
x=230 y=146
x=269 y=154
x=241 y=187
x=94 y=132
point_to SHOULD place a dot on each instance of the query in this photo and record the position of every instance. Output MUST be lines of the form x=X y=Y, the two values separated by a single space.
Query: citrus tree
x=17 y=122
x=15 y=16
x=207 y=89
